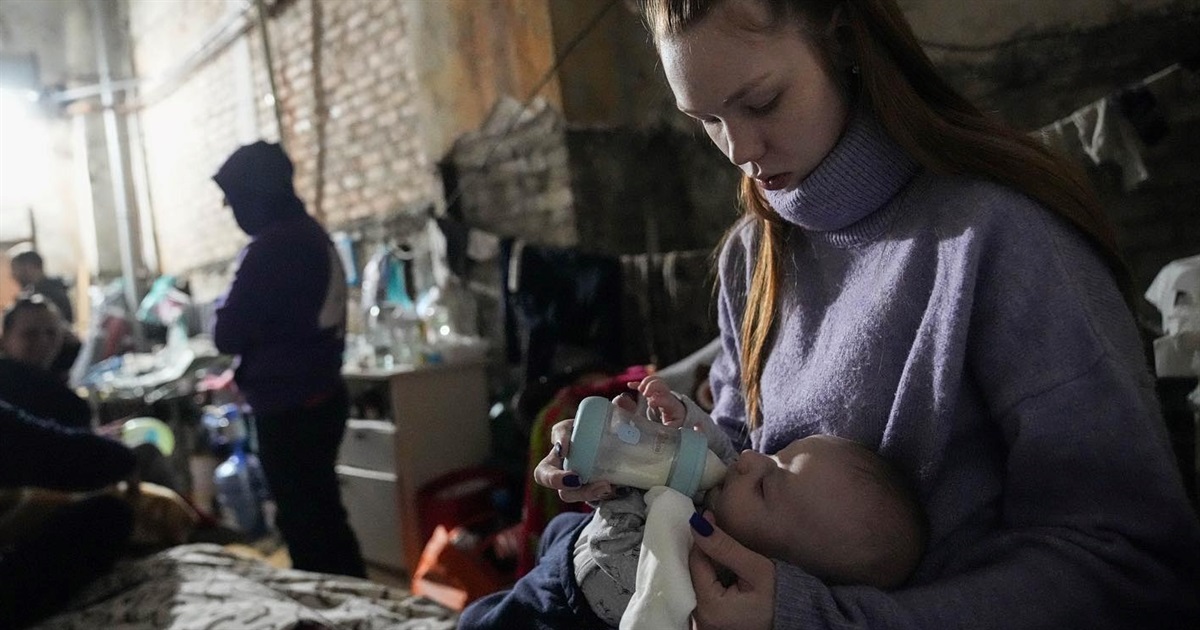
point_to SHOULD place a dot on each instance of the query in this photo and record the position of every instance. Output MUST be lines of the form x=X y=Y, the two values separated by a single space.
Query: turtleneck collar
x=860 y=175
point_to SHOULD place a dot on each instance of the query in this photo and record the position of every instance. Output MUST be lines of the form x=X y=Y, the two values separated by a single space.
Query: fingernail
x=571 y=481
x=702 y=526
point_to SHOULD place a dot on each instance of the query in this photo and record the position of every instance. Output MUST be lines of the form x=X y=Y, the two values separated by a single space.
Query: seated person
x=29 y=341
x=824 y=503
x=30 y=338
x=29 y=272
x=42 y=564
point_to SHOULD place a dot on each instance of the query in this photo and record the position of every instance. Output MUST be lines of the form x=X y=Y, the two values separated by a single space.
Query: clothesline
x=1117 y=128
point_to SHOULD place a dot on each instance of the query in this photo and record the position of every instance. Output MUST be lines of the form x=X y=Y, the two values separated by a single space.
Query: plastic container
x=241 y=491
x=138 y=431
x=627 y=449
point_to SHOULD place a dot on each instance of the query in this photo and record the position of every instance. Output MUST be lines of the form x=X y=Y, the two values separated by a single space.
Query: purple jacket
x=285 y=313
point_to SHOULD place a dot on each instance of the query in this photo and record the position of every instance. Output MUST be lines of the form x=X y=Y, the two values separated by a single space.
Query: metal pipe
x=116 y=169
x=234 y=25
x=141 y=190
x=266 y=44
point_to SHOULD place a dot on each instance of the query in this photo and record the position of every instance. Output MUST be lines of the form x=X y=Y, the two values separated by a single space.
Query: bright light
x=24 y=149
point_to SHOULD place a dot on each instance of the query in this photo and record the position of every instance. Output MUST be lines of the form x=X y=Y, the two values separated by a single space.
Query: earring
x=854 y=69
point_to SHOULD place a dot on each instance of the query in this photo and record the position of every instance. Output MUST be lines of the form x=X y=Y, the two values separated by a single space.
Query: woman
x=914 y=276
x=31 y=338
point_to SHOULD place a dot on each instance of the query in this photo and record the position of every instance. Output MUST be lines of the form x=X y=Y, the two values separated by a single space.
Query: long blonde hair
x=936 y=125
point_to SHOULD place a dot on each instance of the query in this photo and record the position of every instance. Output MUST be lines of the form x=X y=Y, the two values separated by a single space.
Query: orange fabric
x=452 y=576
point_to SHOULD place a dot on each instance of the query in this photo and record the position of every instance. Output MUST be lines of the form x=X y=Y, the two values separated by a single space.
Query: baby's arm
x=660 y=399
x=675 y=410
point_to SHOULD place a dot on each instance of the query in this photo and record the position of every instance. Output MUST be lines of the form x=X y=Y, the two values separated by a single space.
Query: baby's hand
x=659 y=398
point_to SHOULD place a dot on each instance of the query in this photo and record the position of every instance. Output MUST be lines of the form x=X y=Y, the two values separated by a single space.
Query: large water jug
x=242 y=491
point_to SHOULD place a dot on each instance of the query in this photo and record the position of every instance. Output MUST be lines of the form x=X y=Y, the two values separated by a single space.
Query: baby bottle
x=626 y=449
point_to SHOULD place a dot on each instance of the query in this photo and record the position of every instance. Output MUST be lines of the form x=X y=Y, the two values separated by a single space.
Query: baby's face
x=772 y=504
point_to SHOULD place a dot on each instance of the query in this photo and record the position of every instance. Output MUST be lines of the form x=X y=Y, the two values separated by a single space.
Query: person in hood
x=284 y=316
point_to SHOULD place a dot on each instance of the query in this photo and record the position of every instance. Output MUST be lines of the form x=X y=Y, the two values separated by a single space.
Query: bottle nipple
x=714 y=471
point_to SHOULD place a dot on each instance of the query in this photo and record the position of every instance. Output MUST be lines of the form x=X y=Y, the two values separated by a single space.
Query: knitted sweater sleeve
x=35 y=452
x=1093 y=529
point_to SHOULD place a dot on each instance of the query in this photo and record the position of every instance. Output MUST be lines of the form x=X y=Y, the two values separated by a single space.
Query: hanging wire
x=549 y=74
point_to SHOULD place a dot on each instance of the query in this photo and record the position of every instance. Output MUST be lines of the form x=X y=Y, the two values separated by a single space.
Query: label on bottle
x=628 y=434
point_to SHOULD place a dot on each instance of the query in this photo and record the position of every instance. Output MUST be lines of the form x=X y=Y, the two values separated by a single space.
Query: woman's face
x=765 y=98
x=34 y=338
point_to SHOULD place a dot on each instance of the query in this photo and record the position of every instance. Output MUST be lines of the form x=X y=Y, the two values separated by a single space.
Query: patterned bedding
x=203 y=586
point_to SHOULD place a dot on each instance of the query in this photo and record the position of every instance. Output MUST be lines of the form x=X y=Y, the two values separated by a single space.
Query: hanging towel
x=1107 y=137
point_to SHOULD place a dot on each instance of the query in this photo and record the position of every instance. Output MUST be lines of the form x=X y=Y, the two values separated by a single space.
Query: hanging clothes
x=1118 y=128
x=1100 y=133
x=560 y=306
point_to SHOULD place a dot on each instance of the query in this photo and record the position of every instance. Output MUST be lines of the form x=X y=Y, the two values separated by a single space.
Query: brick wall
x=346 y=95
x=353 y=117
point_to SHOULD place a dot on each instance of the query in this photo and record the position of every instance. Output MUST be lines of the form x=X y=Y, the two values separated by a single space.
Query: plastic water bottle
x=241 y=492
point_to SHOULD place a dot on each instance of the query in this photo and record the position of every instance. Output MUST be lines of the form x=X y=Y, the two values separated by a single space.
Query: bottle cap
x=689 y=463
x=590 y=420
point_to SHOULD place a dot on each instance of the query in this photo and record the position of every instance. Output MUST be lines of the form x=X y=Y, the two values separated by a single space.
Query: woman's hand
x=749 y=602
x=550 y=474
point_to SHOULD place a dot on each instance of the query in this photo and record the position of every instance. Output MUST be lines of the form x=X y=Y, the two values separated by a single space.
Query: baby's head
x=828 y=505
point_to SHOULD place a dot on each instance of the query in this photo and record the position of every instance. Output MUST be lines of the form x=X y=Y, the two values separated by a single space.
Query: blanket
x=204 y=586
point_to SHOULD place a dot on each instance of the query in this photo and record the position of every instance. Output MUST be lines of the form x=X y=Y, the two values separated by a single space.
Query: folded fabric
x=663 y=598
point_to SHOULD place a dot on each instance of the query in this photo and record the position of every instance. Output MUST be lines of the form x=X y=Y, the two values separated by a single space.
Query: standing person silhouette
x=285 y=318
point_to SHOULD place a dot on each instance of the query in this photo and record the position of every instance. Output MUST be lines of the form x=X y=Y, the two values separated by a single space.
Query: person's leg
x=298 y=450
x=78 y=543
x=546 y=598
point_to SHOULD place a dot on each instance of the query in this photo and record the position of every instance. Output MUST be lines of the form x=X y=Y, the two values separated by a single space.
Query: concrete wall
x=40 y=176
x=375 y=94
x=1030 y=62
x=468 y=55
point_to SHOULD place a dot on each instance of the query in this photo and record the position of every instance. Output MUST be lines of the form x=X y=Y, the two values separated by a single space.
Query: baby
x=823 y=503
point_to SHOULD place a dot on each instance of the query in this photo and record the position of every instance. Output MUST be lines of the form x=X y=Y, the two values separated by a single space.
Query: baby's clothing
x=546 y=598
x=606 y=554
x=607 y=550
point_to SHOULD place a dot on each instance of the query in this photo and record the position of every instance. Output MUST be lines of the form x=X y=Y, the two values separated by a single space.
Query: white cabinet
x=433 y=420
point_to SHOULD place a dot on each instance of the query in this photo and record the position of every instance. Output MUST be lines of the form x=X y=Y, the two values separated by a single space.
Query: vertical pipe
x=116 y=169
x=141 y=190
x=266 y=44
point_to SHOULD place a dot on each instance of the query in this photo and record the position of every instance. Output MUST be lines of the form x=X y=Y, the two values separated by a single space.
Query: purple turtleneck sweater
x=979 y=343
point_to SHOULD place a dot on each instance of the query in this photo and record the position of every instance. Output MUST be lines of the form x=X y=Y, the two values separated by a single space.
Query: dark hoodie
x=285 y=313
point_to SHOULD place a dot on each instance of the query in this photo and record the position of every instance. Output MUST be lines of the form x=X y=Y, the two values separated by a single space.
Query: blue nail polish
x=571 y=481
x=702 y=526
